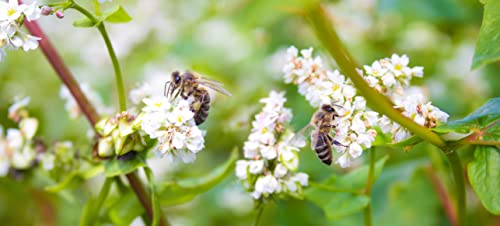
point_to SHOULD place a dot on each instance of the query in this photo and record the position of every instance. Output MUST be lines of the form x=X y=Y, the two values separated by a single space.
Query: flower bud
x=105 y=147
x=59 y=14
x=46 y=10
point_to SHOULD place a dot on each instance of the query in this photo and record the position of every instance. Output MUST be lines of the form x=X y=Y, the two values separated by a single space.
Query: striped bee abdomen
x=323 y=149
x=201 y=113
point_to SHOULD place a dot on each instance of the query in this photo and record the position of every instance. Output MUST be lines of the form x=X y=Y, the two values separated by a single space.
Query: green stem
x=259 y=214
x=103 y=194
x=114 y=59
x=457 y=170
x=325 y=31
x=369 y=184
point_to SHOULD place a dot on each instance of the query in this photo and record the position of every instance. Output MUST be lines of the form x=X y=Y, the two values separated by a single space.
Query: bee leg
x=338 y=143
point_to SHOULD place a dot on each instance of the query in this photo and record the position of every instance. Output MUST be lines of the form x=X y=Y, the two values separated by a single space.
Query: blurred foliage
x=241 y=43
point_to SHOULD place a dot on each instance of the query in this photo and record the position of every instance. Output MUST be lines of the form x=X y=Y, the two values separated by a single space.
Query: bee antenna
x=337 y=105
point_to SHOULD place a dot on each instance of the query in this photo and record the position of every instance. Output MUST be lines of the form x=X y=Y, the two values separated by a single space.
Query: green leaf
x=340 y=204
x=411 y=203
x=84 y=22
x=488 y=45
x=75 y=178
x=482 y=117
x=125 y=209
x=115 y=167
x=154 y=196
x=331 y=195
x=173 y=193
x=484 y=176
x=117 y=15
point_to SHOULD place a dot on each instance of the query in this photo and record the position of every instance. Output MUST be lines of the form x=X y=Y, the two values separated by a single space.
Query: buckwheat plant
x=355 y=127
x=12 y=17
x=272 y=160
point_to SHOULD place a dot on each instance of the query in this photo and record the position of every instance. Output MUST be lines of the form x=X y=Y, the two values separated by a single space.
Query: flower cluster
x=416 y=107
x=119 y=135
x=321 y=86
x=72 y=107
x=17 y=146
x=12 y=16
x=392 y=78
x=172 y=123
x=272 y=159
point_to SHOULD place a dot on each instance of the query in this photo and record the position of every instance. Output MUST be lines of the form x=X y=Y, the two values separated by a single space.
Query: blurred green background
x=242 y=44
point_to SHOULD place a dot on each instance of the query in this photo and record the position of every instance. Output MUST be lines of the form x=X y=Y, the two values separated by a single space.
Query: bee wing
x=212 y=84
x=301 y=136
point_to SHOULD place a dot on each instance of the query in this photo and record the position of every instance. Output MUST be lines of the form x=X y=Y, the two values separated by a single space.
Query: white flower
x=29 y=127
x=172 y=123
x=241 y=169
x=272 y=159
x=11 y=19
x=256 y=166
x=265 y=186
x=280 y=171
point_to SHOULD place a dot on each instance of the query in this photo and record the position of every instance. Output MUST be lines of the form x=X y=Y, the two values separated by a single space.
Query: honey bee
x=192 y=84
x=320 y=127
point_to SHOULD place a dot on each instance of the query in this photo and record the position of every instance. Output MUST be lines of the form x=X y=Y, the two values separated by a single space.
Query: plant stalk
x=143 y=197
x=367 y=212
x=457 y=170
x=114 y=59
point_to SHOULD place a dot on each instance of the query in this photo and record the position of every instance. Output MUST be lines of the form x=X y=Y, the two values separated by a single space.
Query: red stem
x=443 y=196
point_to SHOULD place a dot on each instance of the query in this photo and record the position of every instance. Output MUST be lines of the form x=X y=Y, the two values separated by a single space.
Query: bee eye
x=177 y=79
x=329 y=109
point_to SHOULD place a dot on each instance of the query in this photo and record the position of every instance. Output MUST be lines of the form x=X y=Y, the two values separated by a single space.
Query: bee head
x=176 y=78
x=327 y=108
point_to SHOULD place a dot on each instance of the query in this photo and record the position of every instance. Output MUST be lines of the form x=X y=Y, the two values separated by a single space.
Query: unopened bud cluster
x=119 y=135
x=271 y=164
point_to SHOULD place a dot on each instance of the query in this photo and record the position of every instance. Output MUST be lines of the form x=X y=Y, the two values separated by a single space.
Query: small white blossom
x=172 y=123
x=12 y=16
x=272 y=160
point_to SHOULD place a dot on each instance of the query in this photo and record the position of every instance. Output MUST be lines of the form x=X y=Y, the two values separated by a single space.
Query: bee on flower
x=320 y=86
x=271 y=160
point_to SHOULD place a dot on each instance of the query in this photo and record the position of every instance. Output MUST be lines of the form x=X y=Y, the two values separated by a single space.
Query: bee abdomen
x=323 y=150
x=201 y=114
